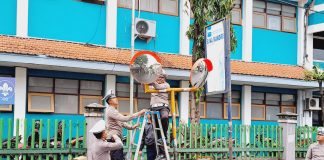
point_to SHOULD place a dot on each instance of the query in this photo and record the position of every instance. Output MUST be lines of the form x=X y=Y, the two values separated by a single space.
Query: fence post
x=93 y=113
x=288 y=122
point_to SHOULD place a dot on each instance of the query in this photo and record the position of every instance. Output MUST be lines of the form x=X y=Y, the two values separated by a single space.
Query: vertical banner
x=7 y=90
x=216 y=50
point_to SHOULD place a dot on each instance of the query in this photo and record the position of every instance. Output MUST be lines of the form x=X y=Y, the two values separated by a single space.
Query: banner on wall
x=216 y=50
x=7 y=90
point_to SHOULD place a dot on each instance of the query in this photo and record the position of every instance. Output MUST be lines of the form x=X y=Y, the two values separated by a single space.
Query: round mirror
x=199 y=72
x=145 y=66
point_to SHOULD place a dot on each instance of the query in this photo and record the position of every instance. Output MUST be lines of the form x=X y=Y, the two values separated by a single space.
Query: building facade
x=65 y=54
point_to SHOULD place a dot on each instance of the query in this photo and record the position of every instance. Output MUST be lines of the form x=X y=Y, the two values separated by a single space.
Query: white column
x=20 y=97
x=247 y=30
x=304 y=117
x=309 y=51
x=246 y=104
x=301 y=32
x=110 y=83
x=184 y=27
x=184 y=103
x=22 y=18
x=111 y=23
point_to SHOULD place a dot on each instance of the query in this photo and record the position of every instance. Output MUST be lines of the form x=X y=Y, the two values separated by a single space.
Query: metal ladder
x=157 y=113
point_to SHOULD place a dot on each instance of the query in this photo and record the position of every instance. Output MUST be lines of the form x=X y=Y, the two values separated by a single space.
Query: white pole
x=131 y=90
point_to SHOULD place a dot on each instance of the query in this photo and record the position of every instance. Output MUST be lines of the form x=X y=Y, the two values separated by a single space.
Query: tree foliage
x=206 y=12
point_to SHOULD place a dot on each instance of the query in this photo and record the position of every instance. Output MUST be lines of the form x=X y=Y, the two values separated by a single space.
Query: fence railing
x=43 y=139
x=305 y=136
x=211 y=141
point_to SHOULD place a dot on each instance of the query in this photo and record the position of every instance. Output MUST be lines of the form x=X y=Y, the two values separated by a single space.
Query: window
x=40 y=102
x=258 y=112
x=214 y=110
x=236 y=113
x=274 y=16
x=4 y=107
x=266 y=106
x=236 y=12
x=86 y=100
x=169 y=7
x=64 y=96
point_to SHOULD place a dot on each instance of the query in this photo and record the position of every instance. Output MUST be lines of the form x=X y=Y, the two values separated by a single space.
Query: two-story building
x=65 y=54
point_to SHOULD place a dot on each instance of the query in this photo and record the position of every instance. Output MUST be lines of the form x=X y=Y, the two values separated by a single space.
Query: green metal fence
x=305 y=136
x=47 y=141
x=211 y=141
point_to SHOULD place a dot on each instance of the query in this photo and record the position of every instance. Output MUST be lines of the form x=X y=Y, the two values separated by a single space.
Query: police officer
x=316 y=150
x=115 y=122
x=101 y=146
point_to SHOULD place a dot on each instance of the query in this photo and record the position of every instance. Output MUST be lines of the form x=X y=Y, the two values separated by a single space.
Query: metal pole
x=229 y=87
x=131 y=90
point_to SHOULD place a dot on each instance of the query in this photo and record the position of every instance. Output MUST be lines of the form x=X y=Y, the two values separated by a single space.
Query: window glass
x=236 y=16
x=143 y=104
x=169 y=7
x=259 y=20
x=289 y=109
x=257 y=112
x=258 y=95
x=122 y=89
x=86 y=100
x=5 y=107
x=123 y=106
x=235 y=111
x=272 y=112
x=237 y=3
x=215 y=110
x=40 y=102
x=202 y=109
x=66 y=86
x=127 y=3
x=273 y=8
x=91 y=88
x=66 y=104
x=259 y=6
x=38 y=84
x=288 y=11
x=149 y=5
x=274 y=22
x=288 y=24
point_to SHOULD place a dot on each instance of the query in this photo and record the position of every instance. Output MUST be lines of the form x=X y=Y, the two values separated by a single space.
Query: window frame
x=281 y=18
x=52 y=109
x=282 y=24
x=233 y=104
x=82 y=97
x=166 y=12
x=290 y=107
x=9 y=109
x=159 y=8
x=240 y=13
x=264 y=111
x=265 y=20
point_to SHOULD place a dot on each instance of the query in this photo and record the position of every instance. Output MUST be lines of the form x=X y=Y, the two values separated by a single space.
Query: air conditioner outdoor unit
x=145 y=29
x=312 y=104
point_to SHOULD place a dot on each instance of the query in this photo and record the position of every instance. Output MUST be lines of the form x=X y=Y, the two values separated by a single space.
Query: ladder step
x=158 y=129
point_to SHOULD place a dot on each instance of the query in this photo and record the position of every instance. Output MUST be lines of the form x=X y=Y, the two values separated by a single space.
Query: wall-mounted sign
x=7 y=90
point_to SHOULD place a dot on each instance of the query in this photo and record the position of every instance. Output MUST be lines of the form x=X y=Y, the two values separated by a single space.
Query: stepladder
x=161 y=149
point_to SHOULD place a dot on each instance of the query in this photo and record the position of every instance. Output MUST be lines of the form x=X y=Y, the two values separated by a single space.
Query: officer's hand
x=115 y=137
x=143 y=111
x=140 y=153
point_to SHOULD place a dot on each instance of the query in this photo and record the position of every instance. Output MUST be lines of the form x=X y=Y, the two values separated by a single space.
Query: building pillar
x=22 y=18
x=288 y=123
x=246 y=110
x=301 y=33
x=92 y=113
x=110 y=83
x=247 y=30
x=111 y=23
x=305 y=117
x=20 y=98
x=184 y=27
x=184 y=103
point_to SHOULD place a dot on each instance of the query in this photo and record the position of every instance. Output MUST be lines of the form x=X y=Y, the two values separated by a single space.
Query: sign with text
x=7 y=90
x=216 y=51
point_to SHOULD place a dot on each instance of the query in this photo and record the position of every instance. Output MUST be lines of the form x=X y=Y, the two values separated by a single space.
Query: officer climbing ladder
x=165 y=147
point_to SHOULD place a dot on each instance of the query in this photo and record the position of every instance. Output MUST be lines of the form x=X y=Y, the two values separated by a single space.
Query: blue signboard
x=7 y=90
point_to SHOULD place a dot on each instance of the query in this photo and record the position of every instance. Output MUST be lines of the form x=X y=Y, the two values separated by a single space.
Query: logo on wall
x=7 y=90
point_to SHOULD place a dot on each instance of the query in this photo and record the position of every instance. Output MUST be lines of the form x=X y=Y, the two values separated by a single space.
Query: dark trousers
x=117 y=154
x=164 y=115
x=151 y=152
